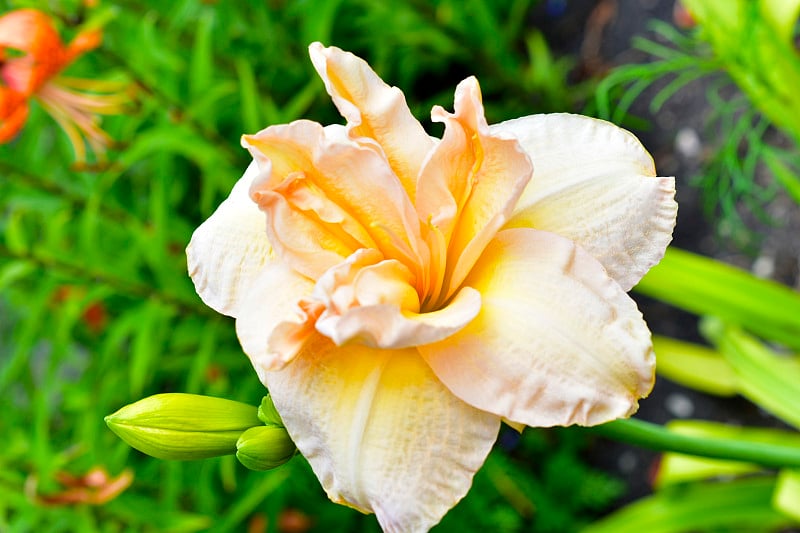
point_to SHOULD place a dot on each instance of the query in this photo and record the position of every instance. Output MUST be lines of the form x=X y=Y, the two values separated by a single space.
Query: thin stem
x=57 y=189
x=135 y=289
x=659 y=438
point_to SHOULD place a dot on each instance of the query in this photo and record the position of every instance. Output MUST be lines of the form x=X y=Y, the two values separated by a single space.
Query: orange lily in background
x=95 y=487
x=32 y=57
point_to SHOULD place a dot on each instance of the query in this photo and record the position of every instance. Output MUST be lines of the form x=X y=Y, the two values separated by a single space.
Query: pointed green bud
x=183 y=426
x=267 y=412
x=264 y=447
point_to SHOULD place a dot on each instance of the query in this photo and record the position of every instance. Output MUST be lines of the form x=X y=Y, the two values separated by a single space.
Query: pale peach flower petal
x=470 y=184
x=376 y=114
x=387 y=326
x=276 y=317
x=381 y=432
x=595 y=184
x=230 y=249
x=557 y=341
x=300 y=237
x=365 y=278
x=373 y=302
x=344 y=174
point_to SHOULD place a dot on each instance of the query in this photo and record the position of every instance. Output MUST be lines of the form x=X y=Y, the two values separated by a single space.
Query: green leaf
x=708 y=287
x=782 y=16
x=787 y=493
x=694 y=366
x=784 y=175
x=14 y=271
x=770 y=380
x=248 y=95
x=136 y=510
x=147 y=340
x=320 y=26
x=743 y=504
x=269 y=483
x=201 y=66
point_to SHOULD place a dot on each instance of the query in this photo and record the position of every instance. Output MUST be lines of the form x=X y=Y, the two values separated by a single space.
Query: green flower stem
x=656 y=437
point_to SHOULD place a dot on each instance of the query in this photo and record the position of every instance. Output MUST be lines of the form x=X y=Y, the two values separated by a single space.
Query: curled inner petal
x=344 y=185
x=377 y=115
x=366 y=279
x=274 y=317
x=305 y=196
x=308 y=242
x=467 y=190
x=372 y=301
x=289 y=337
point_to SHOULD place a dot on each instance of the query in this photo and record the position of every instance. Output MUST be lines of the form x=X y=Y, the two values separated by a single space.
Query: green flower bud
x=264 y=447
x=267 y=412
x=183 y=426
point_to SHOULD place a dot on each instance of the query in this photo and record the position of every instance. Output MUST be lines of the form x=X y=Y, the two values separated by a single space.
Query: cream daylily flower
x=400 y=295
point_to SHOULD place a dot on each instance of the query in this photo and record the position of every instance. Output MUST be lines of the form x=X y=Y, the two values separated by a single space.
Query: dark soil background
x=600 y=34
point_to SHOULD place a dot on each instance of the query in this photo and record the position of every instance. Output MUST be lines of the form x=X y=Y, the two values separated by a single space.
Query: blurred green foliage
x=745 y=52
x=96 y=308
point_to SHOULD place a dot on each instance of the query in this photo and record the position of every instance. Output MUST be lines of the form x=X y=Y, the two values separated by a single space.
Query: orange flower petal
x=13 y=113
x=82 y=43
x=30 y=31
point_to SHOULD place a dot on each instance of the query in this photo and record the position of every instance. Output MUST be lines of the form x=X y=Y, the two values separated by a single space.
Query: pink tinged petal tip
x=557 y=341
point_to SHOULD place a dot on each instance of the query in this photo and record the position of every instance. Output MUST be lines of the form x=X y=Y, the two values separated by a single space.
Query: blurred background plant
x=745 y=52
x=96 y=309
x=753 y=351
